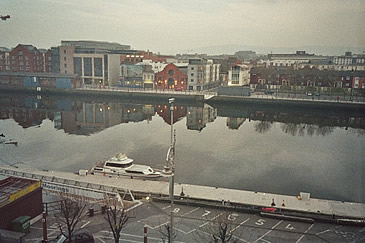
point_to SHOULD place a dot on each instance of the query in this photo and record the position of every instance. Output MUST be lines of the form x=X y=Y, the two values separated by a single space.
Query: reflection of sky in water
x=330 y=166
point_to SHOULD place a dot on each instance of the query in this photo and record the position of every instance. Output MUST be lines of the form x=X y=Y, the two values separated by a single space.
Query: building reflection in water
x=85 y=118
x=198 y=117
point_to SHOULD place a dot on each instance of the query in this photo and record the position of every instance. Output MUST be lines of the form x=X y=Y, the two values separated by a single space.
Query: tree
x=220 y=230
x=116 y=216
x=165 y=231
x=70 y=213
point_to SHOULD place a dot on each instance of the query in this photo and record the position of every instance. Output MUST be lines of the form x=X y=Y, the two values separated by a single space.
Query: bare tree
x=165 y=231
x=116 y=216
x=70 y=213
x=219 y=230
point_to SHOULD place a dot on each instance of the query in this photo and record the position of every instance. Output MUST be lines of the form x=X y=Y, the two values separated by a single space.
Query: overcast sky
x=175 y=26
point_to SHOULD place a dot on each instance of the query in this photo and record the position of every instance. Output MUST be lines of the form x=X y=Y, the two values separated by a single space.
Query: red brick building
x=26 y=58
x=48 y=61
x=164 y=112
x=171 y=78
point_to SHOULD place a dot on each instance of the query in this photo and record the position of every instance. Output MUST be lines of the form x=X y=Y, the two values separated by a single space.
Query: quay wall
x=196 y=193
x=107 y=93
x=294 y=103
x=189 y=98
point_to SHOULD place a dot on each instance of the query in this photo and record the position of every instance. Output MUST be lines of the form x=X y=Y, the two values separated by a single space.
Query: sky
x=183 y=26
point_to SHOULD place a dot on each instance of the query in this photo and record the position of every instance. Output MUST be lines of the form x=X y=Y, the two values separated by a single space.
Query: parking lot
x=197 y=224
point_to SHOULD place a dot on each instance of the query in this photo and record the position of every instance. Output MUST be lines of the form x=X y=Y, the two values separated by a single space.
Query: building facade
x=239 y=75
x=171 y=77
x=26 y=58
x=287 y=60
x=4 y=59
x=202 y=74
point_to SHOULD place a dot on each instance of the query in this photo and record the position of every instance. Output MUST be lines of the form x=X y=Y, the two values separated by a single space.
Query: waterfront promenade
x=204 y=194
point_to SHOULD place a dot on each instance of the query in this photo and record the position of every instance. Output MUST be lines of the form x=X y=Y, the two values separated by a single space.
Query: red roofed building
x=171 y=77
x=26 y=58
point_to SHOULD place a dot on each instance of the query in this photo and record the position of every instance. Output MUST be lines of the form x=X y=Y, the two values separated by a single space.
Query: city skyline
x=171 y=27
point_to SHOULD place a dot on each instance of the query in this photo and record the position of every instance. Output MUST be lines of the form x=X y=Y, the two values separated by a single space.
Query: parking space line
x=269 y=231
x=304 y=233
x=190 y=212
x=137 y=205
x=100 y=239
x=210 y=220
x=85 y=224
x=166 y=207
x=239 y=225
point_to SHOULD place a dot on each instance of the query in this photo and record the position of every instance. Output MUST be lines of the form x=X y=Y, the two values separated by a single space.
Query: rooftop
x=10 y=188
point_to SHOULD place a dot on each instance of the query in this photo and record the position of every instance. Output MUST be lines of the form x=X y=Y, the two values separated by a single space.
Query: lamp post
x=169 y=168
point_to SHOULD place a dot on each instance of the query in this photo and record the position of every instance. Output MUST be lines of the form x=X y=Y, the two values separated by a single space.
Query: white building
x=239 y=75
x=156 y=66
x=287 y=60
x=202 y=73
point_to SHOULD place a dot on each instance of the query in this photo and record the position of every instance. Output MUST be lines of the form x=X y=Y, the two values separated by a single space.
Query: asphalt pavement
x=198 y=224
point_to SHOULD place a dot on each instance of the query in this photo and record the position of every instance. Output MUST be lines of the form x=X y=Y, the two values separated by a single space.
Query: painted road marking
x=206 y=213
x=239 y=225
x=304 y=233
x=260 y=222
x=191 y=211
x=210 y=221
x=269 y=231
x=85 y=224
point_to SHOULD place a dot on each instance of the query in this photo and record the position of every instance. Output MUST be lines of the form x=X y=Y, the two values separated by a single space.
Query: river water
x=266 y=149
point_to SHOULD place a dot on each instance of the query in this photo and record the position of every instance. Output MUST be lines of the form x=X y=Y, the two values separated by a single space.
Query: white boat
x=121 y=165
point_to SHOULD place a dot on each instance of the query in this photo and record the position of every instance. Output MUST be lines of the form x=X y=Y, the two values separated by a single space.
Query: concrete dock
x=100 y=184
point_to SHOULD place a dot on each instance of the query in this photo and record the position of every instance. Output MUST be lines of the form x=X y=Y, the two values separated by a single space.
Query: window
x=192 y=68
x=192 y=80
x=65 y=65
x=64 y=58
x=192 y=74
x=20 y=53
x=64 y=51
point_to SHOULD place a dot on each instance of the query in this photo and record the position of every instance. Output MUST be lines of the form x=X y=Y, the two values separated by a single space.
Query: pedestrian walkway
x=100 y=183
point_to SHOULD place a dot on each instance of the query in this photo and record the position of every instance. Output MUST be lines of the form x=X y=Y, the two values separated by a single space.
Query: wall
x=114 y=66
x=234 y=91
x=28 y=205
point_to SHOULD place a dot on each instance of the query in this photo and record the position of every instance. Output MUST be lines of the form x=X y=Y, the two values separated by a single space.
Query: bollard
x=145 y=234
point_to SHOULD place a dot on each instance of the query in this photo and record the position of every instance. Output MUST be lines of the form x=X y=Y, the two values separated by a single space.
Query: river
x=266 y=149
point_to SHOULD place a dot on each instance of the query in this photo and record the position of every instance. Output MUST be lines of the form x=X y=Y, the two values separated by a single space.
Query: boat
x=121 y=165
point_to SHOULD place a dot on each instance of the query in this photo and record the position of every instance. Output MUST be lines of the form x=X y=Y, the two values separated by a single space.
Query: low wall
x=131 y=95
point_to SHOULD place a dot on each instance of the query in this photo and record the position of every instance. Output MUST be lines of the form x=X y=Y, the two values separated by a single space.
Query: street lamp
x=169 y=168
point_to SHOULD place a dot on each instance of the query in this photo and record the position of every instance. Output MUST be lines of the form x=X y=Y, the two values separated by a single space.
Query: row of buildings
x=100 y=64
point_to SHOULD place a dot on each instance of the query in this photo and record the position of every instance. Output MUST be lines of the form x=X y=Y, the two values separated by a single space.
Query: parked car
x=309 y=93
x=268 y=91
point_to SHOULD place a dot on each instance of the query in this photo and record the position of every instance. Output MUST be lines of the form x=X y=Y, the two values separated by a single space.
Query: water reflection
x=85 y=117
x=258 y=148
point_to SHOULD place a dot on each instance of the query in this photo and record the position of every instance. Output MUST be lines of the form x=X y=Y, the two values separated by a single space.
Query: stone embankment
x=272 y=204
